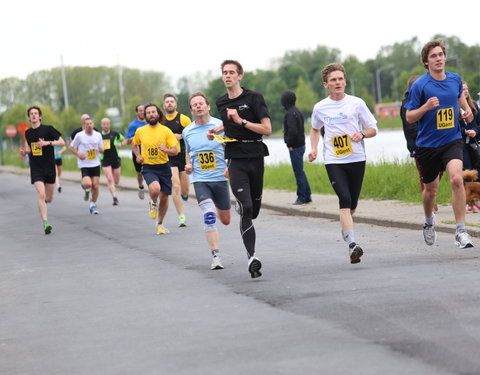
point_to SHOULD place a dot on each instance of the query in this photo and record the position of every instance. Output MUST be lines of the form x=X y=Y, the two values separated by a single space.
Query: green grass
x=383 y=181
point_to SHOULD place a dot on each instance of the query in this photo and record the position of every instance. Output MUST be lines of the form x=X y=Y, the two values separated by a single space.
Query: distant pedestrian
x=347 y=121
x=294 y=137
x=58 y=165
x=138 y=122
x=39 y=142
x=87 y=146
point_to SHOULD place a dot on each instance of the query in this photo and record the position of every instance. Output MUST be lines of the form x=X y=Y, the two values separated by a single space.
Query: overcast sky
x=181 y=37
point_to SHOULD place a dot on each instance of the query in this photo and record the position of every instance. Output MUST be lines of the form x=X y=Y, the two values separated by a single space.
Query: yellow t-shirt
x=150 y=138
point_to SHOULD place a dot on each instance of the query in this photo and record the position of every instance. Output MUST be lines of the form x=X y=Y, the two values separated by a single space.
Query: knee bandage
x=209 y=215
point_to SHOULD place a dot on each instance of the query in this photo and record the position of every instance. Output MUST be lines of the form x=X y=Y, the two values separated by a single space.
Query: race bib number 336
x=445 y=118
x=207 y=161
x=341 y=145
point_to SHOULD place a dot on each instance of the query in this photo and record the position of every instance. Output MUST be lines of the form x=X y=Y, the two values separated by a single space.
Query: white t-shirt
x=88 y=145
x=342 y=118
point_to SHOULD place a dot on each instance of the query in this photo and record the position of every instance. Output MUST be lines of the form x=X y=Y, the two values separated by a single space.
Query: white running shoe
x=463 y=240
x=216 y=263
x=141 y=193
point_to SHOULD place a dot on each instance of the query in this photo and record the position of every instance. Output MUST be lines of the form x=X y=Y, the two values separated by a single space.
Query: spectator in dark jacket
x=294 y=136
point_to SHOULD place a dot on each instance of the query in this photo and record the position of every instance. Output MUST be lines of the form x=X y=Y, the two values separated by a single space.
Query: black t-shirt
x=41 y=158
x=251 y=106
x=110 y=140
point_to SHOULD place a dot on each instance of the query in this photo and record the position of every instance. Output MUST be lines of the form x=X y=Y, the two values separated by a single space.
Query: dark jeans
x=303 y=188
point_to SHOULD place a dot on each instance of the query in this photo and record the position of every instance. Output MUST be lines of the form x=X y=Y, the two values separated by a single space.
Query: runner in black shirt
x=40 y=140
x=245 y=119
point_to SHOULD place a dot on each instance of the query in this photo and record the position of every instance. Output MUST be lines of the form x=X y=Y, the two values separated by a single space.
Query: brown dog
x=472 y=189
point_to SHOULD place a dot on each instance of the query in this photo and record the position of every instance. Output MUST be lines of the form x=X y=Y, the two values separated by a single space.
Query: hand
x=312 y=156
x=356 y=137
x=210 y=134
x=471 y=133
x=225 y=173
x=81 y=156
x=188 y=168
x=432 y=103
x=139 y=159
x=22 y=151
x=162 y=147
x=232 y=114
x=468 y=116
x=41 y=142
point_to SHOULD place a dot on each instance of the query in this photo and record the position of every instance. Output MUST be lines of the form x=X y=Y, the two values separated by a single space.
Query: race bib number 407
x=342 y=145
x=445 y=118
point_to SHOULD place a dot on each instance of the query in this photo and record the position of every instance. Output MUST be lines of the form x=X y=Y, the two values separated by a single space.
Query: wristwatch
x=363 y=134
x=244 y=122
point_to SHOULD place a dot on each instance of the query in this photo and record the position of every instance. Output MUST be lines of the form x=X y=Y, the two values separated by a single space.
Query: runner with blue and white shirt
x=346 y=121
x=205 y=163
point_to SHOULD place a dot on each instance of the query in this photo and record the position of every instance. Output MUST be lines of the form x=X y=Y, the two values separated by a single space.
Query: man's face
x=230 y=76
x=170 y=104
x=89 y=125
x=105 y=125
x=336 y=83
x=151 y=115
x=34 y=116
x=436 y=60
x=199 y=106
x=141 y=112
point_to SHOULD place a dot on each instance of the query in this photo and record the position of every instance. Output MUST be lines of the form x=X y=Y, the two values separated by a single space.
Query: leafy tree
x=70 y=120
x=306 y=97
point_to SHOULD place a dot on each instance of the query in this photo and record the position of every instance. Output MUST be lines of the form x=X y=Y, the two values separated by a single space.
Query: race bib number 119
x=445 y=118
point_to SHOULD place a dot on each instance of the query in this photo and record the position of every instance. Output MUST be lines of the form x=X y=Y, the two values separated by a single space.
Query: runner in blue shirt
x=132 y=128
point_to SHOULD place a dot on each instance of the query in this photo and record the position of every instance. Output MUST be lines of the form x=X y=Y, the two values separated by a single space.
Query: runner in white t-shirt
x=346 y=121
x=87 y=147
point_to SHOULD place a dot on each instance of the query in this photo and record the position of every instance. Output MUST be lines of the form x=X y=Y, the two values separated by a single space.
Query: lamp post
x=377 y=81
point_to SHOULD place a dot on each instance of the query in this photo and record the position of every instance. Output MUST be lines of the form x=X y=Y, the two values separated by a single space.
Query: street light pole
x=377 y=80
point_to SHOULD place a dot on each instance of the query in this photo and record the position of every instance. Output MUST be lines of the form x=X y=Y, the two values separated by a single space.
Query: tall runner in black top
x=40 y=140
x=176 y=122
x=245 y=119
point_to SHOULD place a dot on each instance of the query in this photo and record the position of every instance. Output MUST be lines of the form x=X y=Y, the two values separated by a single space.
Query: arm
x=467 y=114
x=188 y=164
x=314 y=138
x=218 y=130
x=416 y=114
x=369 y=133
x=170 y=151
x=76 y=153
x=263 y=128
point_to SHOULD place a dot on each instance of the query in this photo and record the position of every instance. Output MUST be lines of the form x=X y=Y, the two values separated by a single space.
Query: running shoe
x=86 y=195
x=238 y=209
x=141 y=192
x=429 y=234
x=115 y=201
x=161 y=229
x=184 y=197
x=182 y=221
x=355 y=252
x=463 y=240
x=93 y=209
x=59 y=189
x=254 y=266
x=47 y=227
x=153 y=210
x=217 y=263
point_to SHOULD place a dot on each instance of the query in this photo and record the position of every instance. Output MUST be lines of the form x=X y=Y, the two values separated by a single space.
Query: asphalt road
x=105 y=295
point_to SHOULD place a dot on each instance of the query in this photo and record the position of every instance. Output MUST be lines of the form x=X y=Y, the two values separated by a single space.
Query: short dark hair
x=138 y=105
x=428 y=47
x=194 y=95
x=34 y=107
x=169 y=95
x=233 y=62
x=159 y=111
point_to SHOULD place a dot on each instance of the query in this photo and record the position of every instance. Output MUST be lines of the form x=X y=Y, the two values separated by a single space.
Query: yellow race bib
x=207 y=161
x=106 y=144
x=445 y=118
x=153 y=154
x=91 y=154
x=36 y=151
x=342 y=145
x=220 y=138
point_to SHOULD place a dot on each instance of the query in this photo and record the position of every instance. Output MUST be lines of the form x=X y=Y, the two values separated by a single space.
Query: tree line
x=94 y=90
